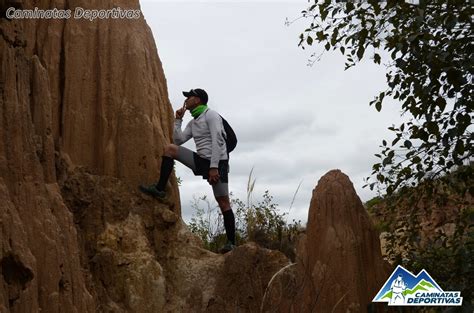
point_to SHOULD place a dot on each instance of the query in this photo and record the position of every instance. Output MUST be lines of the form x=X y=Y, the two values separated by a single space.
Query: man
x=211 y=160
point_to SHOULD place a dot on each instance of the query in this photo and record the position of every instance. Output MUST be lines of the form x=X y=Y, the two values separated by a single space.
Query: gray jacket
x=208 y=133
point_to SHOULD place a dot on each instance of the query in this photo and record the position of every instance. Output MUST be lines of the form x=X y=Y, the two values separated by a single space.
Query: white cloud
x=293 y=122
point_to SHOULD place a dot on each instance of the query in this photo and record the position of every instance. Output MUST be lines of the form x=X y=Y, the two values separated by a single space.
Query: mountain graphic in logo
x=404 y=288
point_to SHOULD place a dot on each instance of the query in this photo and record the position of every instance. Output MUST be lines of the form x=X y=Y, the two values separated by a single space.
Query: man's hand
x=180 y=112
x=213 y=176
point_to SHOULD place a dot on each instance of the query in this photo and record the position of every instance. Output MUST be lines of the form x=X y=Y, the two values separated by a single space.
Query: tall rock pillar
x=339 y=264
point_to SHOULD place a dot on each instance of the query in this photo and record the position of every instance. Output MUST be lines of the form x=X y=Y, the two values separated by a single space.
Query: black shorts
x=200 y=167
x=203 y=165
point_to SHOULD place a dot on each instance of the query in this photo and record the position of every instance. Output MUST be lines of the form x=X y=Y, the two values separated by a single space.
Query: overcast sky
x=294 y=122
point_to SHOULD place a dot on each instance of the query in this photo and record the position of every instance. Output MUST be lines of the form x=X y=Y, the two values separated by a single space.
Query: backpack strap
x=225 y=138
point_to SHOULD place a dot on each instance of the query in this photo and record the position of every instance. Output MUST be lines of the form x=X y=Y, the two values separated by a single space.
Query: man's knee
x=224 y=202
x=171 y=150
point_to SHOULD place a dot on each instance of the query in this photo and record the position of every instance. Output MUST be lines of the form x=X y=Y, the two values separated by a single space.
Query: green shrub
x=261 y=222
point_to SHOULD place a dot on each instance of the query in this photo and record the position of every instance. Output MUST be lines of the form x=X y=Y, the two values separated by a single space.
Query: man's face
x=192 y=102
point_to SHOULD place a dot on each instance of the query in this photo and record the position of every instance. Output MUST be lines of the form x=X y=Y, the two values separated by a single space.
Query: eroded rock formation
x=339 y=264
x=84 y=117
x=143 y=259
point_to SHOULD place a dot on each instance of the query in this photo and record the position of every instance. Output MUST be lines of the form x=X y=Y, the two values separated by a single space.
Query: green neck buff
x=198 y=110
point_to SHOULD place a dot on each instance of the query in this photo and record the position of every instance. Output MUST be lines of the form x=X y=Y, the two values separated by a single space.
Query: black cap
x=200 y=93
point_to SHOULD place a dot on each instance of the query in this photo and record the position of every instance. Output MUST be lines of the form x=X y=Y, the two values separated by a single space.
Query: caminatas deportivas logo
x=404 y=288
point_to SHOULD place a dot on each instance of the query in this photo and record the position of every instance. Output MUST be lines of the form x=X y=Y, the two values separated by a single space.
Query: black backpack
x=231 y=139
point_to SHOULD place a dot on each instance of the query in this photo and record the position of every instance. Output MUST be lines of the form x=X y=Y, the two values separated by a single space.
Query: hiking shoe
x=152 y=191
x=227 y=247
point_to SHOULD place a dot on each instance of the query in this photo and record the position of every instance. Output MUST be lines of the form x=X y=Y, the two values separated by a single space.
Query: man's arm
x=215 y=127
x=180 y=137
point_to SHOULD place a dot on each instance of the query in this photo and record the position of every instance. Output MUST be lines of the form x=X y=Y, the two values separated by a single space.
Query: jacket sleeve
x=180 y=137
x=216 y=128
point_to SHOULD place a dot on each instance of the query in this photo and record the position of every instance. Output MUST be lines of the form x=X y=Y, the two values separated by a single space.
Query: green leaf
x=324 y=12
x=380 y=178
x=441 y=161
x=349 y=7
x=451 y=21
x=433 y=128
x=378 y=106
x=412 y=37
x=320 y=35
x=422 y=134
x=407 y=144
x=377 y=58
x=459 y=148
x=381 y=96
x=309 y=40
x=333 y=40
x=360 y=52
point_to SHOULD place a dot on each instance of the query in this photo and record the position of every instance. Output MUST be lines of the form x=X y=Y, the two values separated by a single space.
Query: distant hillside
x=436 y=205
x=433 y=230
